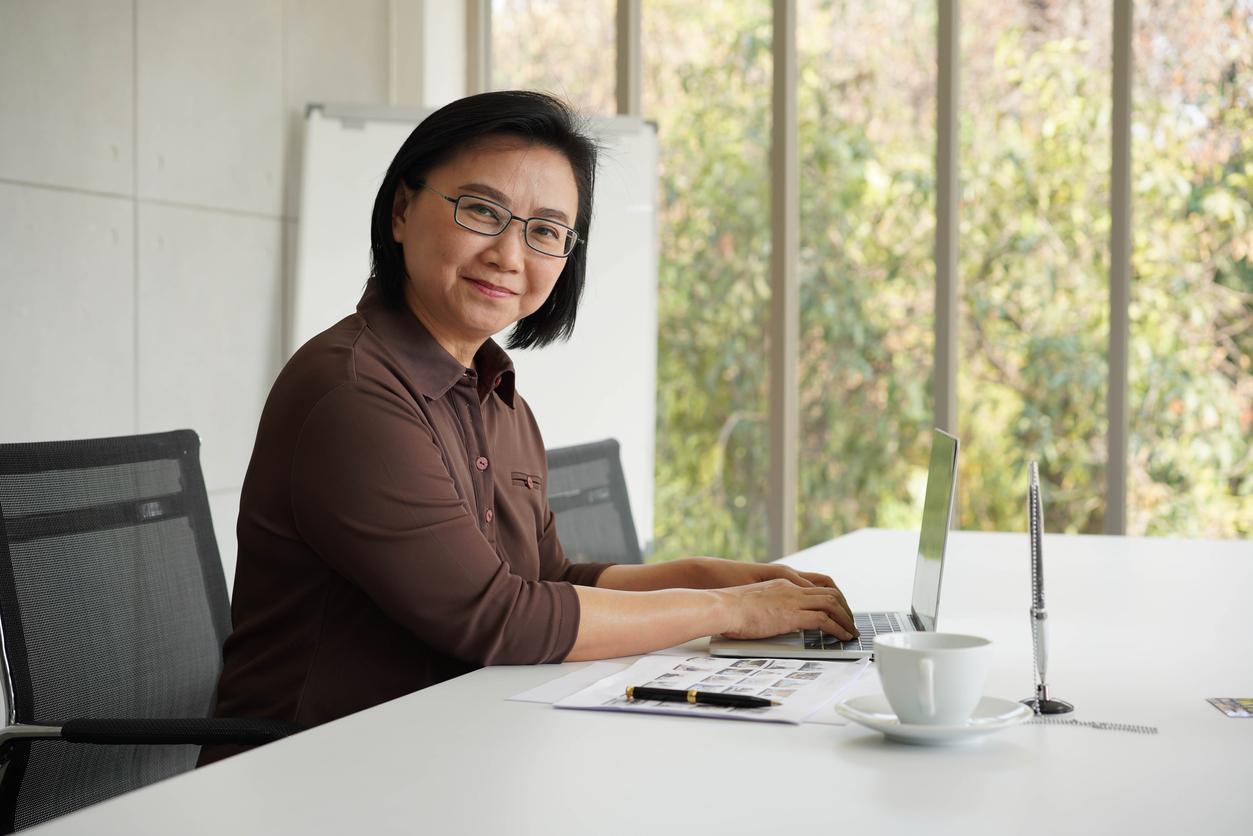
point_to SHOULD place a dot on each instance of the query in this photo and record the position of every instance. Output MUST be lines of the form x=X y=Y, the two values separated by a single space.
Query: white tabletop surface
x=1142 y=631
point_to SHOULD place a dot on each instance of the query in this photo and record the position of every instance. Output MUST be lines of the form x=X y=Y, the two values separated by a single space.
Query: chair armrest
x=26 y=731
x=199 y=731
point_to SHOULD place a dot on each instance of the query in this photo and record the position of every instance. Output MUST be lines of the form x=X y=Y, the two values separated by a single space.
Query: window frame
x=784 y=326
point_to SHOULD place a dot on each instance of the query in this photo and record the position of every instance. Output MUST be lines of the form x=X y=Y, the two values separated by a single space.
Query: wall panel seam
x=217 y=210
x=52 y=187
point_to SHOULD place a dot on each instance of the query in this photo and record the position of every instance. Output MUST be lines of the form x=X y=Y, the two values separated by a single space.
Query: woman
x=389 y=537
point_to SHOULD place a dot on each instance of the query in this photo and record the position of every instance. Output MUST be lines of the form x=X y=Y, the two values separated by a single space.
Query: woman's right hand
x=770 y=608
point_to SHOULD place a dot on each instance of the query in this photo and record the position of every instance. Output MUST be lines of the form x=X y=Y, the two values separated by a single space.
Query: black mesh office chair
x=587 y=492
x=114 y=609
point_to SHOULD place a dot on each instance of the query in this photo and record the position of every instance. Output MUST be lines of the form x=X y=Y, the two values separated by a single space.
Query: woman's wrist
x=724 y=613
x=614 y=623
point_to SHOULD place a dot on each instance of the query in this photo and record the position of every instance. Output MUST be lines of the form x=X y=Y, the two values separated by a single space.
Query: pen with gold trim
x=639 y=692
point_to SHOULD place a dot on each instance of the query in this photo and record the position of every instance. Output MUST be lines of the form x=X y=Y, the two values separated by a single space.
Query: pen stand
x=1042 y=704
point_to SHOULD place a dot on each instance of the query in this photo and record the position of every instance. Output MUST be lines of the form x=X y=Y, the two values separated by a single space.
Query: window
x=1034 y=265
x=564 y=47
x=707 y=75
x=1034 y=242
x=866 y=103
x=1190 y=469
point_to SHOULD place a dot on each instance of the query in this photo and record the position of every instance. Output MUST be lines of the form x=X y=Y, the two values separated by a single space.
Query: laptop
x=937 y=512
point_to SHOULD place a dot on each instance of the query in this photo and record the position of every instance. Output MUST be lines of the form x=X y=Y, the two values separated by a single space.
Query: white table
x=1143 y=630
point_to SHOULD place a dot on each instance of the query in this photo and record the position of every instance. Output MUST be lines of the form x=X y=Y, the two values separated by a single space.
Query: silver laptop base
x=812 y=644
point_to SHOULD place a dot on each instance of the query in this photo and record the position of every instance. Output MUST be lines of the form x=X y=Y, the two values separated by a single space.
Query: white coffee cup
x=932 y=678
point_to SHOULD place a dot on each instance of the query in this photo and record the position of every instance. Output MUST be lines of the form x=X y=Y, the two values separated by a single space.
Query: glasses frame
x=526 y=222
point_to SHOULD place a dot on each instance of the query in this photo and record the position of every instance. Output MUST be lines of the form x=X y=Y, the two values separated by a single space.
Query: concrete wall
x=149 y=161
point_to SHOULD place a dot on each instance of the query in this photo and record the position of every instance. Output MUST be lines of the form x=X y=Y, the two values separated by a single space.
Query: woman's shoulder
x=338 y=371
x=347 y=353
x=325 y=355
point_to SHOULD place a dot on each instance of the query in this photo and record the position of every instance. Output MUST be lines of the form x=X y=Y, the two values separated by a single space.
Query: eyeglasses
x=487 y=217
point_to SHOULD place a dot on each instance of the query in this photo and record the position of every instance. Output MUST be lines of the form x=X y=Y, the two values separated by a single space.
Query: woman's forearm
x=640 y=577
x=618 y=623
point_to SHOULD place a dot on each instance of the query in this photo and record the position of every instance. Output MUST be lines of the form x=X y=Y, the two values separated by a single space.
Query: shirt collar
x=431 y=368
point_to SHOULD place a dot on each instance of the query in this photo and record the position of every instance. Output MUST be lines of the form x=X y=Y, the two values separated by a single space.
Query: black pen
x=636 y=692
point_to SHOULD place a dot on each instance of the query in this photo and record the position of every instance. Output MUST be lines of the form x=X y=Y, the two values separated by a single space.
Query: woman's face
x=465 y=286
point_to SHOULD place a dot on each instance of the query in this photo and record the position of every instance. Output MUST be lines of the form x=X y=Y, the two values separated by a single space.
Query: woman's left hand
x=707 y=573
x=717 y=573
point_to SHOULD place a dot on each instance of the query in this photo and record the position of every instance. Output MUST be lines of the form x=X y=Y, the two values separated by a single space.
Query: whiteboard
x=602 y=383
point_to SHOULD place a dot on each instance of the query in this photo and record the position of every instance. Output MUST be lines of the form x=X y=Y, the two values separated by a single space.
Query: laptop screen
x=937 y=509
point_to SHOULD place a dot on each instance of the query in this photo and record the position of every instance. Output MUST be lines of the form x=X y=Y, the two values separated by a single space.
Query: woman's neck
x=462 y=350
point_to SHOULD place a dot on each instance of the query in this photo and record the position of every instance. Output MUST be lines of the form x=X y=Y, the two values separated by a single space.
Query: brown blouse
x=394 y=528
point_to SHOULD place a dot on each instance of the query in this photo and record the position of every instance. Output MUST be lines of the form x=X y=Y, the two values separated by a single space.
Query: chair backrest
x=112 y=604
x=587 y=492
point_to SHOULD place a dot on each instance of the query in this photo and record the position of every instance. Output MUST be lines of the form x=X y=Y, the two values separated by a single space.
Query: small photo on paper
x=792 y=683
x=750 y=663
x=804 y=675
x=671 y=675
x=813 y=666
x=719 y=680
x=692 y=669
x=778 y=693
x=658 y=683
x=704 y=661
x=740 y=689
x=738 y=673
x=771 y=674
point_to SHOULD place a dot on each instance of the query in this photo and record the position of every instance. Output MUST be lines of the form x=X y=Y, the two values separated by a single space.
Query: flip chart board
x=601 y=383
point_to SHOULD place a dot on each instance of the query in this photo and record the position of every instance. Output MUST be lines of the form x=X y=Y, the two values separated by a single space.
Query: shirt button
x=487 y=515
x=481 y=463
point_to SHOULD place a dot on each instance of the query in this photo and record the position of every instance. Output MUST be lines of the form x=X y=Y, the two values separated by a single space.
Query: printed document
x=801 y=688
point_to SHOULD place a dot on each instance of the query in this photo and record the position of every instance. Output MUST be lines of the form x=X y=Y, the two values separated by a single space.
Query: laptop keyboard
x=869 y=624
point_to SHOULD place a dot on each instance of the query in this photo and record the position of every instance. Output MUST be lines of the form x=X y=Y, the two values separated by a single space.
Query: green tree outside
x=1034 y=261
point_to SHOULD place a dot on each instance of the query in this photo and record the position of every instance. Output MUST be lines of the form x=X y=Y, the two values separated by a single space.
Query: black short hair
x=526 y=115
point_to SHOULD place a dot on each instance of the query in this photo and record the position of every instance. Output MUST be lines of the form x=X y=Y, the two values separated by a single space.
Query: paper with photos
x=800 y=687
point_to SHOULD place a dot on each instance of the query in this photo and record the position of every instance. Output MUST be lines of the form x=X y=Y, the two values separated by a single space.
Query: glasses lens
x=481 y=215
x=550 y=238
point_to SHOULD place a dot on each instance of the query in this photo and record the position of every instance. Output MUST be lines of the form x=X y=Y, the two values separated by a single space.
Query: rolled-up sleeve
x=373 y=497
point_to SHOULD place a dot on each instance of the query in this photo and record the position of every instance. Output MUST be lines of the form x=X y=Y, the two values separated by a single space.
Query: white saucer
x=990 y=715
